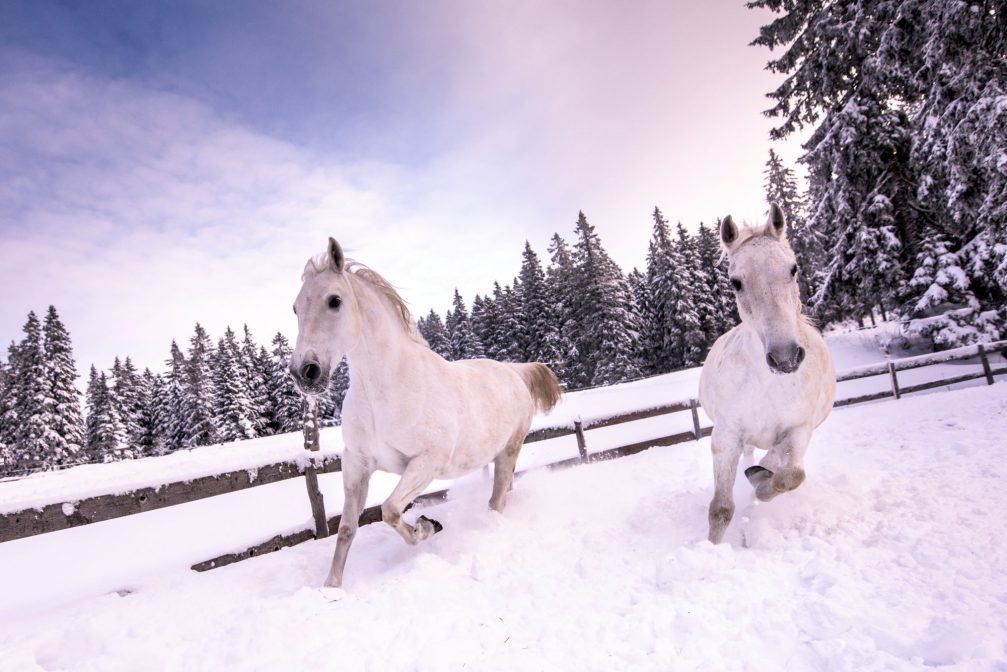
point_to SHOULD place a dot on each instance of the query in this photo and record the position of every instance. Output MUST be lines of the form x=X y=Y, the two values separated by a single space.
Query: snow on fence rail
x=63 y=515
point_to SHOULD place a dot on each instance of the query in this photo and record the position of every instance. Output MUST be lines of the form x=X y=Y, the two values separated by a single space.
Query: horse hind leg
x=417 y=476
x=504 y=465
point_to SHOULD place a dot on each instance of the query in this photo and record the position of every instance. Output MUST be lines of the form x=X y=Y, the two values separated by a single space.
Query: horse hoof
x=754 y=471
x=433 y=523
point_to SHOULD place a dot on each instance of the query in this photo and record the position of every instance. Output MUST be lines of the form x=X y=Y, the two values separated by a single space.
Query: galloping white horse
x=770 y=381
x=407 y=411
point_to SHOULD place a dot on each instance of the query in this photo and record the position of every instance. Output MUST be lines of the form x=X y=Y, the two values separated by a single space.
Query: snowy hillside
x=870 y=561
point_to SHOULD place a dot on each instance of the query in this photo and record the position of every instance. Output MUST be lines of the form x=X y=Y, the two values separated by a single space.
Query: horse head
x=328 y=322
x=763 y=272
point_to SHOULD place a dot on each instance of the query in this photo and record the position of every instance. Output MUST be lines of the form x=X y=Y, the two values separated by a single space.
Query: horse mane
x=358 y=271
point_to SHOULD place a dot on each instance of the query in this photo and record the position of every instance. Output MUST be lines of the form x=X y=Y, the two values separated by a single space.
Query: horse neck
x=383 y=350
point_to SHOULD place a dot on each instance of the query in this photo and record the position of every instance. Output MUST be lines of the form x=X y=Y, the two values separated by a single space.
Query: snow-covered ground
x=889 y=557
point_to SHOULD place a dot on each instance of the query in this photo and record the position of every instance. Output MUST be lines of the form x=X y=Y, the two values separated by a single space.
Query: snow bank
x=890 y=556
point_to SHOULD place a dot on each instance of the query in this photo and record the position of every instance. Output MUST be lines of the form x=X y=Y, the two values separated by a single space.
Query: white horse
x=407 y=411
x=770 y=381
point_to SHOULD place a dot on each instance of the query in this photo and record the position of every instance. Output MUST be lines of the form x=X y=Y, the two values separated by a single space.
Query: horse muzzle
x=310 y=377
x=785 y=359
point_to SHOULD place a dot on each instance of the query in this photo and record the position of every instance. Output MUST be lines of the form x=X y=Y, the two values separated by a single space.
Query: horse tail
x=543 y=385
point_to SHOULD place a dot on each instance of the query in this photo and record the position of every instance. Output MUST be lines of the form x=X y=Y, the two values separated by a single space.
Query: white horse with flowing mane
x=407 y=411
x=770 y=381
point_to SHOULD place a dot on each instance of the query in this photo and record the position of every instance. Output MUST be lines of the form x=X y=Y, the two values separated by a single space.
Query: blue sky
x=167 y=163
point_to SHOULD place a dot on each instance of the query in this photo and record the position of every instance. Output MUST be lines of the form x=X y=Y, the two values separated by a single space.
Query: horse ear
x=728 y=232
x=777 y=223
x=336 y=258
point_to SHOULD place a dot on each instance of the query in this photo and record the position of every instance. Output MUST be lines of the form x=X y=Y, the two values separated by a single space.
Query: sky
x=163 y=164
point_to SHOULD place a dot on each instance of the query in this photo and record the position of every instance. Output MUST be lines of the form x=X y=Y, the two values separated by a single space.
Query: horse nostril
x=771 y=361
x=800 y=354
x=311 y=372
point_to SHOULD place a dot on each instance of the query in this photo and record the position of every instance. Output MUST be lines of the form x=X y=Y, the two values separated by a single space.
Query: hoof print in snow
x=433 y=523
x=754 y=472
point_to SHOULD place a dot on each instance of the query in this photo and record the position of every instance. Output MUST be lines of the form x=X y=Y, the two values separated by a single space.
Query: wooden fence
x=59 y=516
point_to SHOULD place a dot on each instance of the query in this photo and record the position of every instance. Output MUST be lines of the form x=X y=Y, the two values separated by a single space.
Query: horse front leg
x=726 y=447
x=786 y=459
x=356 y=479
x=417 y=476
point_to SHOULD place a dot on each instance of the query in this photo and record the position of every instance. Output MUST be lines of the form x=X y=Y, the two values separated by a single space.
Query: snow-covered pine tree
x=108 y=442
x=483 y=320
x=286 y=400
x=436 y=335
x=858 y=178
x=464 y=343
x=673 y=328
x=200 y=396
x=6 y=433
x=781 y=188
x=560 y=278
x=697 y=323
x=128 y=398
x=233 y=411
x=911 y=129
x=33 y=434
x=339 y=387
x=604 y=314
x=155 y=419
x=68 y=423
x=177 y=399
x=540 y=327
x=254 y=367
x=714 y=266
x=641 y=300
x=509 y=332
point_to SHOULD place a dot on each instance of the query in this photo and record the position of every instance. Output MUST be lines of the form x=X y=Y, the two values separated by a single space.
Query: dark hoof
x=437 y=526
x=753 y=471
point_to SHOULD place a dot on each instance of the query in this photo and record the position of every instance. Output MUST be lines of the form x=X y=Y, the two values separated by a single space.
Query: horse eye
x=335 y=302
x=736 y=284
x=793 y=270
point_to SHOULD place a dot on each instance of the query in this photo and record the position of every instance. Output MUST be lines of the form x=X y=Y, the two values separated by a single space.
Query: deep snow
x=890 y=556
x=885 y=559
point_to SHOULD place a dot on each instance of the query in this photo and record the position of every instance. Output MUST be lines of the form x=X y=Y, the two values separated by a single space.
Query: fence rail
x=60 y=515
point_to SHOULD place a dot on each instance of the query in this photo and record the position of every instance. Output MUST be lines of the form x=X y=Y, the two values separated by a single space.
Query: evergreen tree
x=560 y=277
x=714 y=267
x=6 y=434
x=233 y=411
x=696 y=312
x=108 y=442
x=286 y=400
x=64 y=397
x=255 y=366
x=34 y=408
x=199 y=393
x=906 y=96
x=604 y=315
x=340 y=386
x=127 y=396
x=464 y=343
x=508 y=336
x=155 y=420
x=781 y=188
x=539 y=326
x=177 y=400
x=436 y=335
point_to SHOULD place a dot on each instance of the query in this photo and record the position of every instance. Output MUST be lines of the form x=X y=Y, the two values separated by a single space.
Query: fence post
x=986 y=364
x=581 y=441
x=895 y=380
x=310 y=475
x=695 y=418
